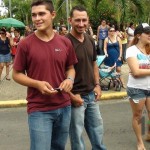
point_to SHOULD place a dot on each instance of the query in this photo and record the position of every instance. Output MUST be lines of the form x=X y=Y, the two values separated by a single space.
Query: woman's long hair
x=136 y=40
x=147 y=47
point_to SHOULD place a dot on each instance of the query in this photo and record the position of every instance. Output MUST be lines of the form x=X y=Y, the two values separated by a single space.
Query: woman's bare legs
x=137 y=109
x=1 y=69
x=7 y=70
x=148 y=111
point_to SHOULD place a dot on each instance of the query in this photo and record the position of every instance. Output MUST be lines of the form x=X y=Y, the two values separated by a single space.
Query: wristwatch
x=70 y=78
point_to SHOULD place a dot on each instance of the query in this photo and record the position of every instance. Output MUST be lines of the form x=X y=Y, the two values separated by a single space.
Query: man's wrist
x=97 y=84
x=70 y=78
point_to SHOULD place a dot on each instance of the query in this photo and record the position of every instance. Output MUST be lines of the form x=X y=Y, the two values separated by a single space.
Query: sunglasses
x=2 y=33
x=111 y=30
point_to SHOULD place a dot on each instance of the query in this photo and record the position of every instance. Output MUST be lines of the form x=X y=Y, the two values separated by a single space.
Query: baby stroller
x=108 y=75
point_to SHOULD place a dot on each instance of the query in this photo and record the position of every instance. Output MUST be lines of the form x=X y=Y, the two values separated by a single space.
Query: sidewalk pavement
x=13 y=94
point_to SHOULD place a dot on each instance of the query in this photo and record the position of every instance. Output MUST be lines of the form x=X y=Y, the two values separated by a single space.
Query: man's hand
x=98 y=92
x=76 y=100
x=119 y=58
x=45 y=88
x=66 y=85
x=106 y=55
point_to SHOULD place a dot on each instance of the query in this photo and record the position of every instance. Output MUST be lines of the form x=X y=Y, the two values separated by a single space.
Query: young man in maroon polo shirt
x=44 y=61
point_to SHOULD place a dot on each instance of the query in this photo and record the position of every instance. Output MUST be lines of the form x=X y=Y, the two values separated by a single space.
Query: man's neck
x=45 y=35
x=17 y=36
x=79 y=37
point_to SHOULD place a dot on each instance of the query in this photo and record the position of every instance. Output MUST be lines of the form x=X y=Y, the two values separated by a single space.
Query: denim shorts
x=137 y=94
x=119 y=63
x=5 y=58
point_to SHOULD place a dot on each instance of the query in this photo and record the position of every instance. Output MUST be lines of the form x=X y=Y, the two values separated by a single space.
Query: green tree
x=120 y=11
x=20 y=10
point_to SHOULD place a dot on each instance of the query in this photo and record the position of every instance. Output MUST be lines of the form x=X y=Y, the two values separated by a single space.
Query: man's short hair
x=3 y=30
x=17 y=30
x=61 y=27
x=47 y=3
x=79 y=8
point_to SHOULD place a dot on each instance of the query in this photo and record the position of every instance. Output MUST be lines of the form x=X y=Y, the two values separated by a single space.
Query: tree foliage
x=20 y=10
x=120 y=11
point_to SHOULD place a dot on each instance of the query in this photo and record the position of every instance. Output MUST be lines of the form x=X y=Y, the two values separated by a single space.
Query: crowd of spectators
x=14 y=35
x=9 y=39
x=110 y=40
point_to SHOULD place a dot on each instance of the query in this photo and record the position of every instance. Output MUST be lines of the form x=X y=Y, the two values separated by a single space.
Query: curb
x=22 y=103
x=13 y=103
x=114 y=95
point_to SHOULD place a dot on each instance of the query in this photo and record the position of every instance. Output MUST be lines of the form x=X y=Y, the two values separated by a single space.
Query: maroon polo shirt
x=45 y=61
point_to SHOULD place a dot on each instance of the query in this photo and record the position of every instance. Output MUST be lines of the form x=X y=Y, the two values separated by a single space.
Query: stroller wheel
x=114 y=82
x=110 y=82
x=118 y=86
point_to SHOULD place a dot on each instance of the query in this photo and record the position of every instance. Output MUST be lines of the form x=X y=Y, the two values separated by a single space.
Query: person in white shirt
x=130 y=32
x=138 y=86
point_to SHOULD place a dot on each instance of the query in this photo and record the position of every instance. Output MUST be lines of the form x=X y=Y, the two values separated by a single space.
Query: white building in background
x=3 y=9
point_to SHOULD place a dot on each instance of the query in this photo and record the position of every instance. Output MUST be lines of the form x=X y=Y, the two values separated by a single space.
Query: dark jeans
x=101 y=47
x=124 y=47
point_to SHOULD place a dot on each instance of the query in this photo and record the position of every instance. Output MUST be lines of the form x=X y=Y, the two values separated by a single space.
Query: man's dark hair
x=62 y=26
x=3 y=30
x=47 y=3
x=79 y=8
x=131 y=24
x=16 y=29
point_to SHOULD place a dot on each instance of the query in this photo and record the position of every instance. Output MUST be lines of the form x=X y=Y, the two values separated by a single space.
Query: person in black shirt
x=5 y=57
x=86 y=89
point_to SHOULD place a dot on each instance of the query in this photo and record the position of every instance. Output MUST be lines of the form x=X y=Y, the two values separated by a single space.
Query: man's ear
x=53 y=14
x=69 y=19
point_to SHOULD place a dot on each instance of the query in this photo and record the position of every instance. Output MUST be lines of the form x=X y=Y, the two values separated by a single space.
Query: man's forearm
x=70 y=73
x=96 y=73
x=22 y=79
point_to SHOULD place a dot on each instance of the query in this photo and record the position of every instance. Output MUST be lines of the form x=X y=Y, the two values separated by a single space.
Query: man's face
x=16 y=33
x=42 y=18
x=12 y=29
x=79 y=21
x=27 y=28
x=64 y=31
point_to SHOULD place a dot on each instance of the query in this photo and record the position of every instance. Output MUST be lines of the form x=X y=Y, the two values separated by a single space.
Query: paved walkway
x=13 y=94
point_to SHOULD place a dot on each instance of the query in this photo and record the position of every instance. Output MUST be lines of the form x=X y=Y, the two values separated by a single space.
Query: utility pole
x=67 y=10
x=70 y=4
x=10 y=9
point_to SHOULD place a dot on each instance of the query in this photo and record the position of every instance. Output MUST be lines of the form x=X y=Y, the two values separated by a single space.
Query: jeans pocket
x=93 y=97
x=132 y=91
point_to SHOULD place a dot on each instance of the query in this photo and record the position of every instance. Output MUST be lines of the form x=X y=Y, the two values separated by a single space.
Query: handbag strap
x=112 y=42
x=113 y=45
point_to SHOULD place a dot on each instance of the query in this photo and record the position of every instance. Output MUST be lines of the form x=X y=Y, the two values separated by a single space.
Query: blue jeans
x=49 y=130
x=101 y=46
x=87 y=116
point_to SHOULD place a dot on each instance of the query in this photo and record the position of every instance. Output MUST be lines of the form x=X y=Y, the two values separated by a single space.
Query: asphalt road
x=116 y=114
